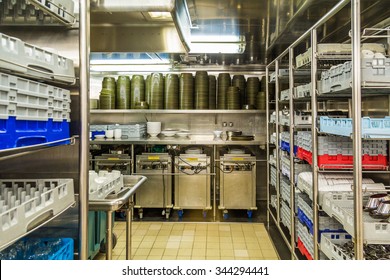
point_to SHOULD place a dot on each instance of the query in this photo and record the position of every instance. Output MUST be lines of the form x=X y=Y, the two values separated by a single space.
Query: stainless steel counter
x=204 y=139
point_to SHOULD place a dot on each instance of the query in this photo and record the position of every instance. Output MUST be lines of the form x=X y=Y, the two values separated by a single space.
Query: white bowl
x=169 y=133
x=153 y=127
x=217 y=133
x=99 y=136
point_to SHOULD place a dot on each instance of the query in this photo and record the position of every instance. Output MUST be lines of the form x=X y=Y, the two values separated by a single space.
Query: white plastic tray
x=27 y=204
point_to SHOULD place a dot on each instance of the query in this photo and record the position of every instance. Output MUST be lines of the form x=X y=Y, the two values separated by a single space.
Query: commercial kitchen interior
x=272 y=138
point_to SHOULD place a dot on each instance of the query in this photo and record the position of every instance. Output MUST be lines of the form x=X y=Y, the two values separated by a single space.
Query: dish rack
x=27 y=204
x=103 y=183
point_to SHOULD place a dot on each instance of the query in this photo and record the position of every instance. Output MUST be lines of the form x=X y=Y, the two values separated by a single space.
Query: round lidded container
x=137 y=90
x=122 y=99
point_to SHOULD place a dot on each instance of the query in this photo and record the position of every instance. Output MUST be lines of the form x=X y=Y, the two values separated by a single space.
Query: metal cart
x=157 y=191
x=192 y=183
x=237 y=183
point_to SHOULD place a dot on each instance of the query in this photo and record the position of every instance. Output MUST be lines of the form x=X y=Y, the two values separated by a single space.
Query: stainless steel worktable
x=201 y=139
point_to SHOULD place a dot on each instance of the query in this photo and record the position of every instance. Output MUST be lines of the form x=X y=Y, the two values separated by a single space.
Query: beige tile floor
x=196 y=241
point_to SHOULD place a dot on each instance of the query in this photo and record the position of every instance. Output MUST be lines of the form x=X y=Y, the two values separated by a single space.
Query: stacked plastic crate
x=32 y=112
x=335 y=152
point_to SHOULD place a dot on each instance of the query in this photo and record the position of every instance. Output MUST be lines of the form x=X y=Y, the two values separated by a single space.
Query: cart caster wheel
x=180 y=213
x=103 y=244
x=249 y=212
x=167 y=213
x=204 y=214
x=225 y=216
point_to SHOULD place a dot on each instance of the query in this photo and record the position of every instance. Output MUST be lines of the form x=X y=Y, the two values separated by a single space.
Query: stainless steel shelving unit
x=355 y=97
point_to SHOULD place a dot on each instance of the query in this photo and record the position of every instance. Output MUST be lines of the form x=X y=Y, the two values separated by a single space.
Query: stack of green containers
x=233 y=98
x=252 y=90
x=137 y=92
x=186 y=92
x=171 y=92
x=224 y=82
x=108 y=87
x=239 y=81
x=156 y=91
x=201 y=90
x=212 y=92
x=122 y=99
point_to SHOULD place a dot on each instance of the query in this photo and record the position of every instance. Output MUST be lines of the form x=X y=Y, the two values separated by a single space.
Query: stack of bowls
x=260 y=104
x=239 y=81
x=137 y=90
x=109 y=85
x=171 y=92
x=186 y=92
x=224 y=82
x=147 y=89
x=201 y=96
x=233 y=98
x=212 y=92
x=156 y=91
x=122 y=100
x=105 y=99
x=252 y=90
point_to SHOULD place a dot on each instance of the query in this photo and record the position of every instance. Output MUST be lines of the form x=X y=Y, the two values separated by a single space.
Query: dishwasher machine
x=156 y=192
x=237 y=179
x=192 y=183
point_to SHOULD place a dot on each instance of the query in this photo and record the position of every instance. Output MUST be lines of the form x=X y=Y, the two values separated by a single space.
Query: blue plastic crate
x=40 y=249
x=371 y=127
x=285 y=146
x=306 y=221
x=20 y=133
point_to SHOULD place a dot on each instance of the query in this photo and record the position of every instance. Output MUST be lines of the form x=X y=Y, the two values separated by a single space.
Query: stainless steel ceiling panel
x=114 y=38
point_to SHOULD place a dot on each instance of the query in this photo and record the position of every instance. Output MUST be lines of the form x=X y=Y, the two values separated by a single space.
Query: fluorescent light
x=128 y=61
x=217 y=38
x=131 y=68
x=160 y=15
x=217 y=47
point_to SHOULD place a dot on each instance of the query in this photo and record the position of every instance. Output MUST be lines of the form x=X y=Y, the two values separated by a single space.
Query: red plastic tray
x=344 y=162
x=301 y=247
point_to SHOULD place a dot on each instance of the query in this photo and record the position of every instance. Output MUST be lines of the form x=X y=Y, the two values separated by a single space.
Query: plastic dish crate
x=302 y=91
x=29 y=60
x=330 y=245
x=285 y=94
x=274 y=201
x=31 y=100
x=27 y=202
x=298 y=168
x=40 y=249
x=283 y=73
x=135 y=130
x=20 y=133
x=103 y=183
x=273 y=176
x=61 y=8
x=285 y=218
x=307 y=240
x=375 y=231
x=371 y=127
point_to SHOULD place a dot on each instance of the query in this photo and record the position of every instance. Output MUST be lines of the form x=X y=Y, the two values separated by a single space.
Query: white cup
x=110 y=133
x=117 y=133
x=153 y=128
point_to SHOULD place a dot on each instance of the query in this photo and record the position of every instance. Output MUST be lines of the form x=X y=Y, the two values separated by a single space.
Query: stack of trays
x=156 y=91
x=224 y=82
x=201 y=90
x=233 y=98
x=171 y=92
x=186 y=98
x=239 y=81
x=252 y=90
x=212 y=92
x=122 y=99
x=108 y=88
x=137 y=90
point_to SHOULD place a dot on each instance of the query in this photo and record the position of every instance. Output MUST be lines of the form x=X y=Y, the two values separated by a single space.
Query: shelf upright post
x=268 y=138
x=84 y=40
x=314 y=138
x=357 y=133
x=277 y=90
x=292 y=171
